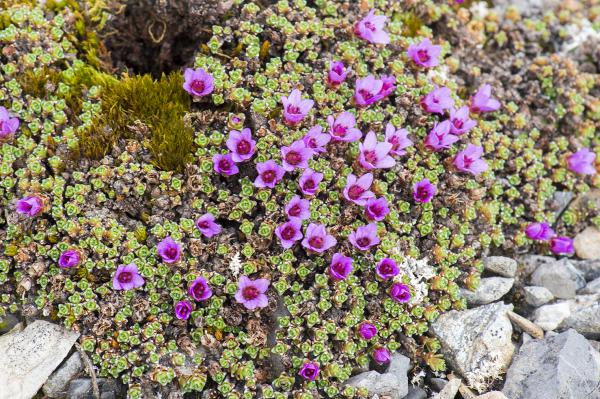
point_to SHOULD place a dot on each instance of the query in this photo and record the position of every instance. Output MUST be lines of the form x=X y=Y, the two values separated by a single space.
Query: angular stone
x=589 y=268
x=500 y=265
x=587 y=243
x=490 y=290
x=58 y=383
x=437 y=384
x=79 y=388
x=560 y=277
x=393 y=383
x=450 y=389
x=593 y=287
x=549 y=317
x=584 y=316
x=492 y=395
x=537 y=296
x=416 y=393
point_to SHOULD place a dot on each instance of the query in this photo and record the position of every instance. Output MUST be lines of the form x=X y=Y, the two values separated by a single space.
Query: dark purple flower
x=183 y=309
x=198 y=82
x=365 y=237
x=317 y=239
x=423 y=191
x=269 y=174
x=295 y=108
x=400 y=292
x=387 y=269
x=367 y=330
x=241 y=145
x=460 y=122
x=309 y=371
x=439 y=138
x=69 y=258
x=376 y=209
x=251 y=293
x=370 y=28
x=469 y=160
x=200 y=290
x=482 y=101
x=357 y=189
x=295 y=156
x=539 y=231
x=168 y=250
x=374 y=154
x=298 y=208
x=127 y=277
x=224 y=164
x=388 y=86
x=438 y=100
x=381 y=355
x=425 y=53
x=561 y=245
x=8 y=125
x=342 y=127
x=582 y=162
x=31 y=206
x=289 y=232
x=309 y=181
x=207 y=225
x=316 y=140
x=398 y=139
x=340 y=267
x=337 y=73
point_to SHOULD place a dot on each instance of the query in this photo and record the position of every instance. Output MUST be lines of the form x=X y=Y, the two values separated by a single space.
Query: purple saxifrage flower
x=295 y=108
x=251 y=293
x=376 y=209
x=482 y=101
x=309 y=371
x=127 y=277
x=269 y=174
x=367 y=91
x=200 y=290
x=298 y=208
x=381 y=355
x=374 y=154
x=439 y=138
x=183 y=309
x=31 y=206
x=316 y=238
x=437 y=100
x=582 y=162
x=295 y=156
x=371 y=28
x=241 y=145
x=316 y=140
x=400 y=293
x=340 y=267
x=309 y=181
x=357 y=190
x=168 y=250
x=561 y=245
x=224 y=164
x=364 y=237
x=207 y=225
x=289 y=232
x=342 y=128
x=425 y=54
x=469 y=160
x=424 y=191
x=337 y=73
x=398 y=139
x=367 y=330
x=198 y=82
x=8 y=125
x=388 y=86
x=539 y=231
x=387 y=269
x=69 y=258
x=460 y=122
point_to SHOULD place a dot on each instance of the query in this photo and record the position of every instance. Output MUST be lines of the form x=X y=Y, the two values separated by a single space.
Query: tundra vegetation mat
x=297 y=193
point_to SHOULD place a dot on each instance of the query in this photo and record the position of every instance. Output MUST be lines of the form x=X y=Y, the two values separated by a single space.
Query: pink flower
x=241 y=145
x=309 y=181
x=224 y=164
x=437 y=100
x=316 y=238
x=200 y=290
x=169 y=250
x=340 y=267
x=365 y=237
x=357 y=189
x=367 y=330
x=469 y=160
x=298 y=208
x=69 y=258
x=269 y=174
x=127 y=278
x=388 y=86
x=8 y=125
x=289 y=232
x=337 y=73
x=439 y=138
x=539 y=231
x=460 y=122
x=295 y=108
x=309 y=371
x=376 y=209
x=381 y=355
x=398 y=139
x=425 y=54
x=207 y=225
x=367 y=91
x=295 y=156
x=198 y=82
x=374 y=154
x=342 y=128
x=423 y=191
x=183 y=309
x=561 y=245
x=400 y=292
x=582 y=162
x=316 y=140
x=370 y=28
x=31 y=206
x=251 y=293
x=482 y=101
x=386 y=269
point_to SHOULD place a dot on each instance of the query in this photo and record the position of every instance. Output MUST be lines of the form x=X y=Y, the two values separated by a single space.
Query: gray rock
x=58 y=383
x=595 y=344
x=593 y=287
x=392 y=383
x=477 y=342
x=490 y=290
x=30 y=356
x=549 y=317
x=500 y=265
x=107 y=395
x=537 y=296
x=529 y=263
x=589 y=268
x=79 y=388
x=587 y=243
x=7 y=322
x=492 y=395
x=584 y=316
x=560 y=277
x=416 y=393
x=450 y=390
x=562 y=366
x=560 y=201
x=437 y=384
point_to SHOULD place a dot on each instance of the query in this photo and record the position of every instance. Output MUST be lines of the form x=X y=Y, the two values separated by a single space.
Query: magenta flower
x=198 y=82
x=357 y=189
x=387 y=269
x=400 y=292
x=8 y=125
x=168 y=250
x=342 y=128
x=295 y=156
x=289 y=232
x=388 y=86
x=370 y=28
x=127 y=277
x=439 y=138
x=269 y=174
x=460 y=122
x=309 y=371
x=582 y=162
x=298 y=208
x=539 y=231
x=200 y=290
x=381 y=355
x=337 y=73
x=438 y=100
x=340 y=267
x=375 y=154
x=376 y=209
x=482 y=101
x=316 y=140
x=398 y=139
x=295 y=108
x=69 y=258
x=31 y=206
x=365 y=237
x=561 y=245
x=316 y=238
x=367 y=330
x=207 y=225
x=424 y=191
x=251 y=293
x=224 y=164
x=425 y=54
x=241 y=145
x=309 y=181
x=367 y=91
x=469 y=160
x=183 y=309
